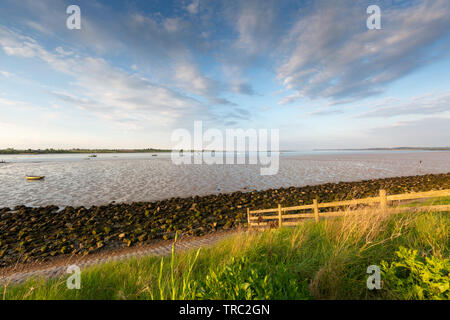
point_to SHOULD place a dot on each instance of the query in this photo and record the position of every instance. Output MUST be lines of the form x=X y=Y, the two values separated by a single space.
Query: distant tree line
x=55 y=151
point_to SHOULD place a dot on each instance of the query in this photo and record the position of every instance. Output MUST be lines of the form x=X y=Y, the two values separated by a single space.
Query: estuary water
x=76 y=180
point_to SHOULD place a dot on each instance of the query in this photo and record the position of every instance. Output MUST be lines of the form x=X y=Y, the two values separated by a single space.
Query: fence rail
x=382 y=200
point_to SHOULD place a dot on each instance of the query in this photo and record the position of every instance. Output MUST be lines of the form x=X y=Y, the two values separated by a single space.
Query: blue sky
x=137 y=70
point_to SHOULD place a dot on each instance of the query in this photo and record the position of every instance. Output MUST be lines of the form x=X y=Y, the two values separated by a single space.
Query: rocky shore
x=38 y=234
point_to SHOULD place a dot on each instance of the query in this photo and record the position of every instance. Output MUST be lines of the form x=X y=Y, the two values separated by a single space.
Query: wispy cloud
x=423 y=105
x=193 y=7
x=192 y=80
x=6 y=74
x=326 y=112
x=332 y=55
x=104 y=90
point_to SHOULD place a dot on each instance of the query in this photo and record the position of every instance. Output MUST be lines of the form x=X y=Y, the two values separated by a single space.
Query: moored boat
x=35 y=177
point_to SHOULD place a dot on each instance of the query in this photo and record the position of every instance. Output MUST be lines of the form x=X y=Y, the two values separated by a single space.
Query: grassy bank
x=325 y=260
x=29 y=235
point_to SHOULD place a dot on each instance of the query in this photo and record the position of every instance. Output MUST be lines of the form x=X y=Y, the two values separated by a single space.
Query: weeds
x=410 y=277
x=243 y=280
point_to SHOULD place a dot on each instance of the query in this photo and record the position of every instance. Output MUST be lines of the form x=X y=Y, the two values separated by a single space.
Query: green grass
x=325 y=260
x=429 y=202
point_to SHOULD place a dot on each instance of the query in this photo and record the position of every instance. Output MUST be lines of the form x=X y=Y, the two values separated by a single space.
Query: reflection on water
x=75 y=180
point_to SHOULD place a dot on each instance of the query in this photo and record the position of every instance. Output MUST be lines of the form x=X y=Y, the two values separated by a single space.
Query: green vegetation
x=429 y=202
x=325 y=260
x=61 y=151
x=413 y=277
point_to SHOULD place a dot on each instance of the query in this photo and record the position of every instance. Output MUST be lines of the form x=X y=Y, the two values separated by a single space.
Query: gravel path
x=53 y=271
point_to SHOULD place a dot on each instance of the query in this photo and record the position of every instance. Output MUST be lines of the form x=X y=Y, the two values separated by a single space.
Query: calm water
x=76 y=180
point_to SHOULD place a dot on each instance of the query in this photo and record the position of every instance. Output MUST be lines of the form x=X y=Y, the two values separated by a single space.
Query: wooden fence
x=282 y=219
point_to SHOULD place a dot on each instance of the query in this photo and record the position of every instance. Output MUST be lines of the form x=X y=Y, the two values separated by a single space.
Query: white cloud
x=172 y=24
x=332 y=55
x=242 y=88
x=255 y=22
x=38 y=27
x=291 y=98
x=106 y=91
x=326 y=112
x=62 y=52
x=193 y=7
x=426 y=104
x=191 y=79
x=18 y=105
x=113 y=94
x=15 y=44
x=6 y=74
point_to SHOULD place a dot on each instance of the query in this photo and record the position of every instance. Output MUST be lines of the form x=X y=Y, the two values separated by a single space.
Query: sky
x=138 y=70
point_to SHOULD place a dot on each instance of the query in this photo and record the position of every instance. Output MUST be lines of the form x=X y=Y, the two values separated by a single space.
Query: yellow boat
x=35 y=177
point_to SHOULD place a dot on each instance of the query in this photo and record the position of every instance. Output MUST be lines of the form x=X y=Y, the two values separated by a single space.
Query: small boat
x=93 y=156
x=154 y=155
x=35 y=177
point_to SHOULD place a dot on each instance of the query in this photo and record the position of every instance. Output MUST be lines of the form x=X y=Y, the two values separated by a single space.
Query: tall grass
x=180 y=287
x=325 y=260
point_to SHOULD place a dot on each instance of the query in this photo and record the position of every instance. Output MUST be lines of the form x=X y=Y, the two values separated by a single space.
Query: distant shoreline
x=78 y=151
x=391 y=149
x=12 y=151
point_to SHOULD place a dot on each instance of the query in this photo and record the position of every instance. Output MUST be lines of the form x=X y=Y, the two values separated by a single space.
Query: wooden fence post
x=316 y=210
x=383 y=200
x=248 y=217
x=280 y=222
